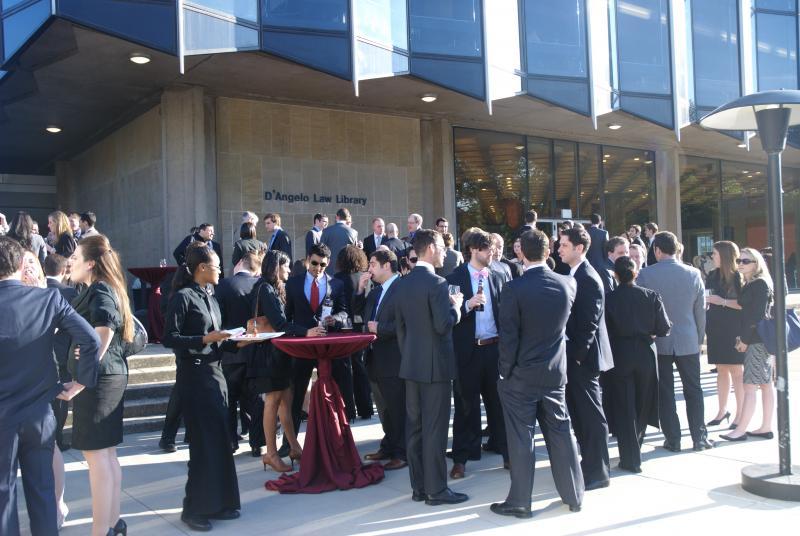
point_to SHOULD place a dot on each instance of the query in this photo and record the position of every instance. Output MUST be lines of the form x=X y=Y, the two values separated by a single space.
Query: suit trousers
x=584 y=400
x=172 y=420
x=477 y=373
x=689 y=370
x=427 y=420
x=28 y=446
x=361 y=388
x=630 y=393
x=380 y=404
x=522 y=406
x=249 y=403
x=394 y=416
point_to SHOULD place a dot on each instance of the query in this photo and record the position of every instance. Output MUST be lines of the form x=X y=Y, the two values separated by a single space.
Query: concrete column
x=189 y=163
x=438 y=183
x=668 y=190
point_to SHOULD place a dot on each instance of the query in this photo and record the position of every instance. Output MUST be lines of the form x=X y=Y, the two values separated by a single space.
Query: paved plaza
x=686 y=492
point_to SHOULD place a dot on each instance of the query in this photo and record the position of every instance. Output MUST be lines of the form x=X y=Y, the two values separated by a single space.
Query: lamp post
x=770 y=113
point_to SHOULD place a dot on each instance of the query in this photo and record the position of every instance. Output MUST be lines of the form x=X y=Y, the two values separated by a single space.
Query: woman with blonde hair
x=723 y=321
x=64 y=241
x=97 y=412
x=755 y=300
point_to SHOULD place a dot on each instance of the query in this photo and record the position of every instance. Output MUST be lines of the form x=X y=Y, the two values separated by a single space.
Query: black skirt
x=97 y=414
x=722 y=327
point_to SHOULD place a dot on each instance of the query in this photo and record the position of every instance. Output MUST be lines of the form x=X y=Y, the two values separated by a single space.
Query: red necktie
x=314 y=296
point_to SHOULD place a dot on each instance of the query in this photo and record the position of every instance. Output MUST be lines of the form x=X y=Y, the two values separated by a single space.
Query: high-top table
x=154 y=276
x=330 y=459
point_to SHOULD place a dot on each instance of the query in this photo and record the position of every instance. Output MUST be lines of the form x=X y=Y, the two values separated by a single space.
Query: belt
x=486 y=342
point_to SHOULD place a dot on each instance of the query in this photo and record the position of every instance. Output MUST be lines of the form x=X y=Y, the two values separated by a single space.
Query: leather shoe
x=227 y=514
x=394 y=464
x=447 y=496
x=377 y=456
x=200 y=524
x=283 y=451
x=505 y=509
x=417 y=496
x=167 y=446
x=703 y=444
x=731 y=438
x=490 y=447
x=574 y=507
x=672 y=447
x=255 y=453
x=623 y=467
x=457 y=471
x=762 y=435
x=597 y=484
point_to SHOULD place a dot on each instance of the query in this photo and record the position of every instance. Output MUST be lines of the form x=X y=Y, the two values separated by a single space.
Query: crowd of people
x=579 y=332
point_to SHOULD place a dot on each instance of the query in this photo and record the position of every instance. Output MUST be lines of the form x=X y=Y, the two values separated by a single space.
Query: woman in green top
x=97 y=411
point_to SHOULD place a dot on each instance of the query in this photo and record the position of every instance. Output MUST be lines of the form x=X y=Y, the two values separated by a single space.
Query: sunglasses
x=317 y=263
x=745 y=261
x=413 y=260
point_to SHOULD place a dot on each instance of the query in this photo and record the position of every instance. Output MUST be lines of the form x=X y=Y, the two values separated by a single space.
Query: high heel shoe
x=295 y=455
x=275 y=462
x=121 y=527
x=717 y=422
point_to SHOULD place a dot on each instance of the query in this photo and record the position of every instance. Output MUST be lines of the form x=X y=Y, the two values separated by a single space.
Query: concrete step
x=151 y=374
x=140 y=391
x=132 y=425
x=139 y=361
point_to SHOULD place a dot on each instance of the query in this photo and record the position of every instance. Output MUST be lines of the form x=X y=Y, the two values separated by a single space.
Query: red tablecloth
x=154 y=276
x=330 y=459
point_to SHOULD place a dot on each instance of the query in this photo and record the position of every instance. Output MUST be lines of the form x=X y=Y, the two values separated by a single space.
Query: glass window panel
x=629 y=188
x=540 y=184
x=17 y=28
x=463 y=76
x=556 y=37
x=382 y=21
x=503 y=51
x=311 y=14
x=776 y=51
x=572 y=95
x=206 y=33
x=449 y=27
x=744 y=207
x=490 y=186
x=324 y=52
x=243 y=9
x=716 y=51
x=643 y=46
x=655 y=109
x=375 y=62
x=589 y=179
x=778 y=5
x=699 y=182
x=8 y=4
x=566 y=198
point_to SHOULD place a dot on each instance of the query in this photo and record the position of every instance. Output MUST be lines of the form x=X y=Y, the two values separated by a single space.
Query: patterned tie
x=378 y=294
x=314 y=296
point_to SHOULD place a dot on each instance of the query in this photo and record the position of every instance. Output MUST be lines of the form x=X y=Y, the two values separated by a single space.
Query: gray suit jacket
x=424 y=319
x=336 y=237
x=682 y=291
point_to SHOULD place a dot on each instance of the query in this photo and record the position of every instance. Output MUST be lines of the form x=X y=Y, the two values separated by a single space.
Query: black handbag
x=139 y=341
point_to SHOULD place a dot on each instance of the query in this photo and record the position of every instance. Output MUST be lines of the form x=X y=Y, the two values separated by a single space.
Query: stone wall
x=295 y=150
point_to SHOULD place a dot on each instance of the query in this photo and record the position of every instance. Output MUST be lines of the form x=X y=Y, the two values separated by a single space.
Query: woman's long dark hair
x=273 y=260
x=197 y=253
x=108 y=268
x=21 y=229
x=728 y=253
x=247 y=230
x=352 y=259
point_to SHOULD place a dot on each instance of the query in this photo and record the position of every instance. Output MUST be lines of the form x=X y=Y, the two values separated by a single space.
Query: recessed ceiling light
x=519 y=147
x=614 y=126
x=52 y=129
x=742 y=146
x=758 y=173
x=139 y=59
x=429 y=97
x=636 y=159
x=606 y=156
x=745 y=171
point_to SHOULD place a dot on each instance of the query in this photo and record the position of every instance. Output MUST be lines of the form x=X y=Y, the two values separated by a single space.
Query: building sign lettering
x=338 y=199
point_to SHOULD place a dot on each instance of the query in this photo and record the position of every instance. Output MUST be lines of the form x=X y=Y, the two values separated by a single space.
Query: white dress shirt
x=485 y=326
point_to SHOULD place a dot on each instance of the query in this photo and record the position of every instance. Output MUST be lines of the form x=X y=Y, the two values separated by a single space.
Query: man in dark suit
x=635 y=234
x=395 y=245
x=650 y=231
x=377 y=237
x=500 y=263
x=588 y=354
x=428 y=366
x=383 y=356
x=233 y=295
x=475 y=338
x=530 y=223
x=413 y=225
x=29 y=381
x=616 y=247
x=205 y=234
x=337 y=236
x=596 y=255
x=314 y=235
x=309 y=296
x=533 y=373
x=280 y=239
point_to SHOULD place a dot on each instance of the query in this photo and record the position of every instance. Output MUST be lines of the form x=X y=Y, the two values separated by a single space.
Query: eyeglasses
x=413 y=260
x=214 y=267
x=317 y=263
x=745 y=261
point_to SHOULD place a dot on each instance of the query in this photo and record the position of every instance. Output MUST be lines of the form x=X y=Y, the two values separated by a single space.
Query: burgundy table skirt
x=154 y=276
x=330 y=459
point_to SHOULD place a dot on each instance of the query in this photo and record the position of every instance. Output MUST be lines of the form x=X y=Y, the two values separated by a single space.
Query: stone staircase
x=150 y=380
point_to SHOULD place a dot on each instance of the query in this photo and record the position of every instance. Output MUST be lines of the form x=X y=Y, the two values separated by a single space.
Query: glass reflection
x=629 y=188
x=540 y=189
x=242 y=9
x=589 y=179
x=447 y=27
x=556 y=37
x=309 y=14
x=716 y=52
x=776 y=51
x=643 y=46
x=744 y=209
x=700 y=183
x=382 y=21
x=204 y=33
x=565 y=178
x=17 y=28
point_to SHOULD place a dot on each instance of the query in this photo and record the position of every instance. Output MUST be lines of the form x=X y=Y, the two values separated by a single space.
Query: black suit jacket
x=532 y=345
x=424 y=321
x=235 y=304
x=514 y=268
x=464 y=331
x=638 y=240
x=61 y=343
x=523 y=229
x=312 y=237
x=597 y=249
x=369 y=244
x=180 y=251
x=651 y=256
x=587 y=336
x=282 y=243
x=298 y=310
x=383 y=355
x=397 y=246
x=606 y=275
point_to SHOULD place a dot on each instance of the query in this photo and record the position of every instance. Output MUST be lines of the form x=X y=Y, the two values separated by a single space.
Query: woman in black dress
x=723 y=320
x=64 y=241
x=634 y=316
x=97 y=412
x=192 y=329
x=269 y=369
x=247 y=243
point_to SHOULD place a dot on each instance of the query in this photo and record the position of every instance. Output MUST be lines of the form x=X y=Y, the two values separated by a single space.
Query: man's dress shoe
x=457 y=471
x=505 y=509
x=447 y=496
